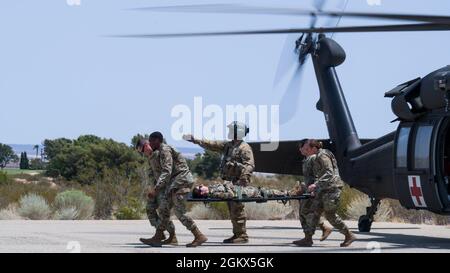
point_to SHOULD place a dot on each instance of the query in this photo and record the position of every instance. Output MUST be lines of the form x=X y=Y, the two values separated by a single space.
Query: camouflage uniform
x=305 y=205
x=237 y=166
x=174 y=182
x=227 y=190
x=328 y=190
x=154 y=203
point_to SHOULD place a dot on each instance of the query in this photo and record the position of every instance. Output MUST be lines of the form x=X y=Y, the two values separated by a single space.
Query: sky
x=61 y=75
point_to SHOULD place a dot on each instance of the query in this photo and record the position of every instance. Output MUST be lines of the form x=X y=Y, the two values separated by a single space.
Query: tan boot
x=172 y=240
x=305 y=242
x=349 y=238
x=237 y=239
x=326 y=231
x=155 y=241
x=199 y=238
x=230 y=240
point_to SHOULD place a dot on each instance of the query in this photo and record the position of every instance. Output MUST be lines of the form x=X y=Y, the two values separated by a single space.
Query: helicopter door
x=414 y=179
x=446 y=159
x=420 y=177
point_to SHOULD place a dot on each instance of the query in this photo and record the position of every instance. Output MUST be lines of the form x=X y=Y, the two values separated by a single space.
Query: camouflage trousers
x=325 y=203
x=238 y=218
x=177 y=199
x=304 y=210
x=152 y=208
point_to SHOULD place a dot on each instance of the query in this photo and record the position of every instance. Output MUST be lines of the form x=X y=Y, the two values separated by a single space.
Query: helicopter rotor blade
x=318 y=5
x=290 y=99
x=347 y=29
x=288 y=58
x=290 y=11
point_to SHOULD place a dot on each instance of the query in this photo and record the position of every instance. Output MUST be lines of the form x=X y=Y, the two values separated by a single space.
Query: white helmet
x=237 y=130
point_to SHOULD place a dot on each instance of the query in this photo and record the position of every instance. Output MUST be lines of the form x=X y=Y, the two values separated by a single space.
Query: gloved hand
x=242 y=182
x=151 y=194
x=188 y=137
x=312 y=188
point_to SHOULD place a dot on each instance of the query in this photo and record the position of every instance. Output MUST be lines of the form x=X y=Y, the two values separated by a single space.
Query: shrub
x=75 y=200
x=34 y=207
x=401 y=214
x=133 y=210
x=3 y=178
x=347 y=196
x=10 y=213
x=358 y=206
x=67 y=213
x=12 y=191
x=202 y=212
x=267 y=211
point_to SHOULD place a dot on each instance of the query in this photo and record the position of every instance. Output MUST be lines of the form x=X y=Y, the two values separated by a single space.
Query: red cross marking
x=416 y=191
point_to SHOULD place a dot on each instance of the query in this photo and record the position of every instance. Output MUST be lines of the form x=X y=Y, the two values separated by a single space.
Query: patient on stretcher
x=227 y=190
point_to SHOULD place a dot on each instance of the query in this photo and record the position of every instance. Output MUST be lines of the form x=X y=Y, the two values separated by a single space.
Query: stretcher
x=283 y=199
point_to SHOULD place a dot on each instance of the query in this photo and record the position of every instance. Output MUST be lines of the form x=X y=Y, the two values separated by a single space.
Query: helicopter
x=410 y=164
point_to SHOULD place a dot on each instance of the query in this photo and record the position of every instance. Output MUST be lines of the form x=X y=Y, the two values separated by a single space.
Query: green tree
x=7 y=155
x=36 y=147
x=36 y=164
x=86 y=159
x=206 y=165
x=135 y=139
x=54 y=147
x=24 y=162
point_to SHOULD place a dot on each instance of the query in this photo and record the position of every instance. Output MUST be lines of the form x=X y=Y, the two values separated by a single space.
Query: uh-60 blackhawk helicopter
x=411 y=164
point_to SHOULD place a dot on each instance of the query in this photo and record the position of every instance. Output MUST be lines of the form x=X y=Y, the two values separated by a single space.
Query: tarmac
x=265 y=237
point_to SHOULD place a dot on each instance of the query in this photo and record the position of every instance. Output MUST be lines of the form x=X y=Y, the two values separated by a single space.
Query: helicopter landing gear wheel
x=365 y=221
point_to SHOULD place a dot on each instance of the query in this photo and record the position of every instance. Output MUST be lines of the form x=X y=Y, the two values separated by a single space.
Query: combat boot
x=199 y=238
x=156 y=240
x=349 y=238
x=230 y=240
x=305 y=242
x=172 y=240
x=237 y=239
x=326 y=231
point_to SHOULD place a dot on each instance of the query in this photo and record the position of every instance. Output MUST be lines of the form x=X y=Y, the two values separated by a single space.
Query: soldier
x=176 y=181
x=153 y=202
x=227 y=190
x=237 y=166
x=305 y=205
x=326 y=189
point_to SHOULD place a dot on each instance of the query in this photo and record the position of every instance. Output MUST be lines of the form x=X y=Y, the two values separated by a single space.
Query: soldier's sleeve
x=248 y=163
x=166 y=168
x=323 y=171
x=214 y=146
x=151 y=177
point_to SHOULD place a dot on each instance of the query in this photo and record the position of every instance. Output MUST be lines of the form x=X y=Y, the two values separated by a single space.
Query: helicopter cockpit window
x=402 y=147
x=422 y=147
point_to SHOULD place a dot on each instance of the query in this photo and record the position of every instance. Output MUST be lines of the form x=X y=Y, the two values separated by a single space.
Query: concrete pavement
x=265 y=236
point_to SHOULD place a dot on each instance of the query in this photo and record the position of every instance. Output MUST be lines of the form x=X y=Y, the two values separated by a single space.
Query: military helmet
x=238 y=130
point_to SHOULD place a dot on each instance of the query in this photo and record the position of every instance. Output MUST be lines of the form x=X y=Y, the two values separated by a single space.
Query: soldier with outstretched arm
x=237 y=166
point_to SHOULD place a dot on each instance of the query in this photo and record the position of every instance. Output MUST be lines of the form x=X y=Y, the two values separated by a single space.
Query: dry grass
x=267 y=211
x=403 y=215
x=358 y=206
x=10 y=213
x=202 y=212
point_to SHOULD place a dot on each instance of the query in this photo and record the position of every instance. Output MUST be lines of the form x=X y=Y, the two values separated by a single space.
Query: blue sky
x=61 y=77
